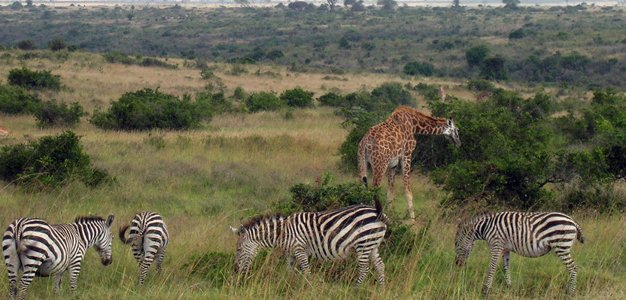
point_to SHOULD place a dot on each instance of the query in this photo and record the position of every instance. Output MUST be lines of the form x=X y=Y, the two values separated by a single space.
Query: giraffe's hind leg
x=406 y=178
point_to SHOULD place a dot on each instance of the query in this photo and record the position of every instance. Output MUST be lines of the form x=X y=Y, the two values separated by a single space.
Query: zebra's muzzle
x=459 y=261
x=106 y=261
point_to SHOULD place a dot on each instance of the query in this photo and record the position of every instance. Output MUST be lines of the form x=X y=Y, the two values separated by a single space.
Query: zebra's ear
x=236 y=230
x=449 y=122
x=110 y=220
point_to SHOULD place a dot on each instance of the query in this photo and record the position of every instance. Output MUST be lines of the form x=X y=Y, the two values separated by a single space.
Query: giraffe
x=391 y=143
x=4 y=132
x=442 y=94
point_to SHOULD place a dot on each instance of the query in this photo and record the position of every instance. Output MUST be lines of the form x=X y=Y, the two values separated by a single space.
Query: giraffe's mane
x=256 y=220
x=85 y=219
x=416 y=113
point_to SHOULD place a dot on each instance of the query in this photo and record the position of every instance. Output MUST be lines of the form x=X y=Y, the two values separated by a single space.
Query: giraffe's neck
x=430 y=126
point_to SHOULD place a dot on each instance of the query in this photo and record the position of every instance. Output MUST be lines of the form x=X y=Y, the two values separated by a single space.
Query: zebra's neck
x=88 y=233
x=271 y=230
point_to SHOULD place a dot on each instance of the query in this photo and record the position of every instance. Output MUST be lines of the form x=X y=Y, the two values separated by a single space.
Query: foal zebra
x=41 y=249
x=528 y=234
x=328 y=235
x=149 y=237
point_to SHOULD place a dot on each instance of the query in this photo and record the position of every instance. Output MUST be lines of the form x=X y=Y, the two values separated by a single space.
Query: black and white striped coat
x=530 y=234
x=40 y=249
x=328 y=235
x=149 y=237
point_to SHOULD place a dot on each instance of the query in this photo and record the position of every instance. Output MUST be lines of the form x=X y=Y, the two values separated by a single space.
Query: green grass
x=205 y=180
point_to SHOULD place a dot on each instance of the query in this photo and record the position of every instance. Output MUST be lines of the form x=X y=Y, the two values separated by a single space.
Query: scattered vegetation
x=27 y=78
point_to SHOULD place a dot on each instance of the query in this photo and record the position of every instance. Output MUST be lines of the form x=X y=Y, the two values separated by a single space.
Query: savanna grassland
x=240 y=164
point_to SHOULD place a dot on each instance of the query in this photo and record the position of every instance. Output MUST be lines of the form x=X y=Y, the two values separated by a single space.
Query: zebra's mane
x=258 y=219
x=469 y=220
x=85 y=219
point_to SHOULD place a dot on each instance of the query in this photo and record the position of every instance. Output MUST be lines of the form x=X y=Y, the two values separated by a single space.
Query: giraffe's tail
x=362 y=162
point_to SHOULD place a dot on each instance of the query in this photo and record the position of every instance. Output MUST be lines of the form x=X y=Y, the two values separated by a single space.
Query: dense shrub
x=359 y=122
x=51 y=161
x=331 y=99
x=119 y=58
x=419 y=68
x=148 y=109
x=27 y=78
x=493 y=68
x=480 y=85
x=430 y=92
x=297 y=98
x=57 y=44
x=209 y=104
x=16 y=100
x=263 y=101
x=391 y=93
x=26 y=45
x=52 y=113
x=476 y=55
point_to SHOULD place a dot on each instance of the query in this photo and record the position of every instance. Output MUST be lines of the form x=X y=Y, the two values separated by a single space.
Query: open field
x=236 y=166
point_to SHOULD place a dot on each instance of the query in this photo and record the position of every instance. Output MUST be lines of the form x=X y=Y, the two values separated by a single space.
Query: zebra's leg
x=148 y=258
x=566 y=257
x=303 y=259
x=496 y=252
x=31 y=261
x=74 y=272
x=159 y=260
x=379 y=266
x=57 y=281
x=137 y=252
x=406 y=178
x=12 y=262
x=363 y=257
x=507 y=272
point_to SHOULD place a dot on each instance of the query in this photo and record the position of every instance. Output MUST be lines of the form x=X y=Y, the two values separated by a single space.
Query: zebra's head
x=463 y=243
x=247 y=249
x=451 y=132
x=97 y=232
x=260 y=232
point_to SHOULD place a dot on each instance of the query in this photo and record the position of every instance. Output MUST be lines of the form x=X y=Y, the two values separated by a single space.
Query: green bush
x=16 y=100
x=57 y=44
x=331 y=99
x=27 y=78
x=476 y=55
x=493 y=68
x=263 y=101
x=359 y=122
x=51 y=114
x=51 y=161
x=212 y=104
x=148 y=109
x=430 y=92
x=480 y=85
x=26 y=45
x=419 y=68
x=297 y=98
x=119 y=58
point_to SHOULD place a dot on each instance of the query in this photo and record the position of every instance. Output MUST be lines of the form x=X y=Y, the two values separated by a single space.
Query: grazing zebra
x=530 y=234
x=149 y=237
x=328 y=235
x=40 y=249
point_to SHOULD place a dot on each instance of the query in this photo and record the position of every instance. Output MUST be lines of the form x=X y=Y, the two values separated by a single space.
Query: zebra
x=41 y=249
x=530 y=234
x=328 y=235
x=149 y=237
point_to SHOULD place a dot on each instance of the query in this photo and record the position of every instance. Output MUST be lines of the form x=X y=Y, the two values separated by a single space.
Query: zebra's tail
x=579 y=234
x=123 y=235
x=379 y=207
x=11 y=248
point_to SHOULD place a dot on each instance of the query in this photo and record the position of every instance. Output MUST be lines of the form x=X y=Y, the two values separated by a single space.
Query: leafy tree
x=476 y=55
x=26 y=45
x=27 y=78
x=297 y=98
x=456 y=4
x=243 y=3
x=419 y=68
x=493 y=68
x=16 y=100
x=387 y=4
x=52 y=113
x=512 y=4
x=332 y=4
x=263 y=101
x=16 y=5
x=57 y=44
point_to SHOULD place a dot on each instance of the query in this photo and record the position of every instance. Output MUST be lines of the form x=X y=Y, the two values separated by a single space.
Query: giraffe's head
x=450 y=131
